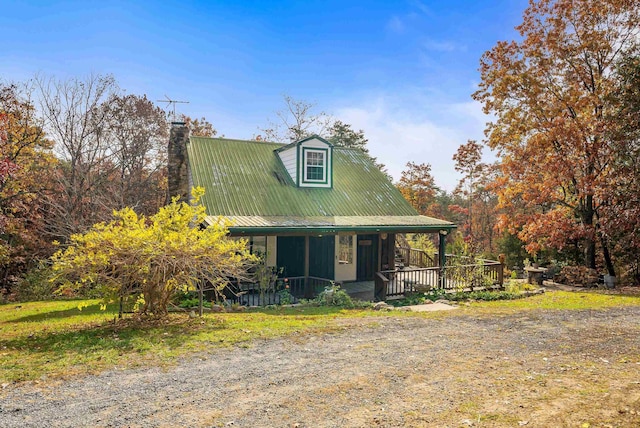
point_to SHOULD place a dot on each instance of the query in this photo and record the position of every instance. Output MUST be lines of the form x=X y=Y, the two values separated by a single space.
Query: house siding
x=288 y=158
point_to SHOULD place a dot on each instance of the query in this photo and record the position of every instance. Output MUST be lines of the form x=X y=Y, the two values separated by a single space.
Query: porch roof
x=278 y=225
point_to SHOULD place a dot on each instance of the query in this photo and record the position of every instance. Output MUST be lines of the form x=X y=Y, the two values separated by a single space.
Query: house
x=318 y=212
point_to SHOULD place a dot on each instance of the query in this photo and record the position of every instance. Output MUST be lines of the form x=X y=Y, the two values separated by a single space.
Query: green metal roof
x=246 y=182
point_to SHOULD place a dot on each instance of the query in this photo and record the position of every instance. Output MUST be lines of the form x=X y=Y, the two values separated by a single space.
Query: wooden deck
x=361 y=290
x=460 y=274
x=365 y=290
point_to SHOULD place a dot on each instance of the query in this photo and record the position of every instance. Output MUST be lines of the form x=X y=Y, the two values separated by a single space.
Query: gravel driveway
x=534 y=369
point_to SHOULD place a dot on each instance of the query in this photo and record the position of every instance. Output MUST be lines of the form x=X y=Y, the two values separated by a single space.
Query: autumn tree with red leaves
x=552 y=95
x=26 y=164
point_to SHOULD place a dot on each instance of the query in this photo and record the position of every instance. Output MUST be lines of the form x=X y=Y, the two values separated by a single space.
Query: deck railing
x=417 y=258
x=409 y=280
x=485 y=274
x=457 y=276
x=282 y=290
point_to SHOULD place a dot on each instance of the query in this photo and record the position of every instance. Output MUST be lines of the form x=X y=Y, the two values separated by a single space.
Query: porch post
x=442 y=258
x=379 y=255
x=307 y=291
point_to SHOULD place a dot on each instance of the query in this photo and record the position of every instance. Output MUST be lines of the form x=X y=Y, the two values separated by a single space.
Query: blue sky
x=403 y=71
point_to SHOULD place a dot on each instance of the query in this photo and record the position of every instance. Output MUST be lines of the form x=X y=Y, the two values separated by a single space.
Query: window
x=258 y=245
x=315 y=165
x=345 y=250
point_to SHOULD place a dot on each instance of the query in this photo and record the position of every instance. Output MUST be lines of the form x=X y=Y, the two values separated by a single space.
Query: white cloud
x=406 y=128
x=395 y=25
x=444 y=46
x=422 y=8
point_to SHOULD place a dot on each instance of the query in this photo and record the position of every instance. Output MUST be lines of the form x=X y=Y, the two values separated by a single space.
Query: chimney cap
x=178 y=123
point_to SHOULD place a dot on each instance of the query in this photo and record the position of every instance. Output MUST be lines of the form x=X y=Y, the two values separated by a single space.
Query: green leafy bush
x=187 y=300
x=437 y=294
x=514 y=286
x=285 y=297
x=483 y=295
x=335 y=296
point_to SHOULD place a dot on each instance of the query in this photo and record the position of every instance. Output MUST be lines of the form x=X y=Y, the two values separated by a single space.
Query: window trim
x=325 y=166
x=350 y=245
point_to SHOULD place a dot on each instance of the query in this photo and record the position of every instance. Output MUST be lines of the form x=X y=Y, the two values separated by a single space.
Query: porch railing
x=402 y=281
x=283 y=290
x=421 y=259
x=464 y=277
x=485 y=274
x=417 y=258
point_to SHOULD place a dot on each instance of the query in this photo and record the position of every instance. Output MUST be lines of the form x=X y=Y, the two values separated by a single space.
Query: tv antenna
x=169 y=102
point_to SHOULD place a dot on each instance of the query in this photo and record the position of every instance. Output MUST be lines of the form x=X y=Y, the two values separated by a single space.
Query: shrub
x=514 y=286
x=437 y=294
x=285 y=297
x=335 y=296
x=483 y=295
x=154 y=257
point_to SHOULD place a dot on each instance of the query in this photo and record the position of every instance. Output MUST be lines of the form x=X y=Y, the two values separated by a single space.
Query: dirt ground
x=533 y=369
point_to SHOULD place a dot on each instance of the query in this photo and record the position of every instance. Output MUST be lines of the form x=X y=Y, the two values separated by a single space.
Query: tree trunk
x=607 y=255
x=590 y=242
x=590 y=253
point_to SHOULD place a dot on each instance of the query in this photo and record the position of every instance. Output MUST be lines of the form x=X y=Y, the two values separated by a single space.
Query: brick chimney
x=178 y=167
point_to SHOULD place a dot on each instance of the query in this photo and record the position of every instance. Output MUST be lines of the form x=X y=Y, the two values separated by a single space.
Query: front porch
x=416 y=272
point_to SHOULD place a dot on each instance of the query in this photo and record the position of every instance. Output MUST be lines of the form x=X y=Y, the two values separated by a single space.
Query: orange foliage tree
x=418 y=187
x=199 y=127
x=551 y=96
x=478 y=211
x=26 y=163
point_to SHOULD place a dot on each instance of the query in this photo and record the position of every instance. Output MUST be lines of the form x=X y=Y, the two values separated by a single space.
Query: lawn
x=562 y=300
x=42 y=340
x=54 y=339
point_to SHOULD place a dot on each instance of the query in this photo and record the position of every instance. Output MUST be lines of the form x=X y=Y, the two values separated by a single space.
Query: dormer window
x=315 y=165
x=309 y=162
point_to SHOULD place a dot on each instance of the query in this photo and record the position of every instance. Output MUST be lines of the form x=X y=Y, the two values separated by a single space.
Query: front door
x=322 y=252
x=290 y=255
x=367 y=257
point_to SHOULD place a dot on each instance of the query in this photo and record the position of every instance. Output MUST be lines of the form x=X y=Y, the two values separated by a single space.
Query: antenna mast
x=169 y=102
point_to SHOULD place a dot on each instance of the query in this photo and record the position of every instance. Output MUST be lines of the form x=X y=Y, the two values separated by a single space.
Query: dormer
x=309 y=162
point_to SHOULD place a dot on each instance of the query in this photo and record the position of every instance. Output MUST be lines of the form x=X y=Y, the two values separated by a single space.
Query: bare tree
x=76 y=120
x=138 y=132
x=299 y=120
x=296 y=121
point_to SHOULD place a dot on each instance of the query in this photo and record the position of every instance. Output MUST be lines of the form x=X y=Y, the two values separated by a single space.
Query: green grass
x=56 y=339
x=43 y=340
x=559 y=300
